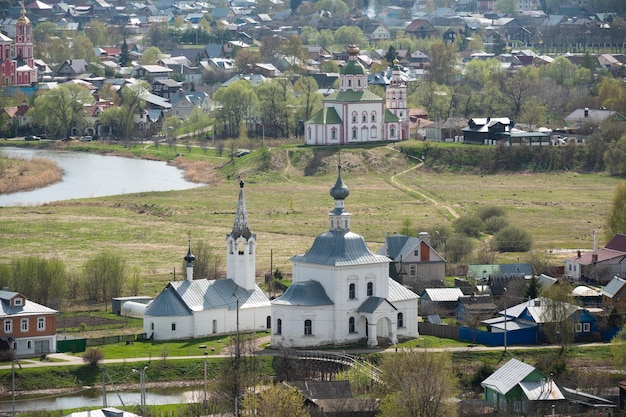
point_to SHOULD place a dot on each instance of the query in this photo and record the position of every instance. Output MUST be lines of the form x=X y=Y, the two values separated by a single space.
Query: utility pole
x=104 y=391
x=505 y=319
x=237 y=356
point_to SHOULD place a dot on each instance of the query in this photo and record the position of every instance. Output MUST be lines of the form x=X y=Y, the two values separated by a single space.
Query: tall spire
x=241 y=228
x=23 y=19
x=189 y=258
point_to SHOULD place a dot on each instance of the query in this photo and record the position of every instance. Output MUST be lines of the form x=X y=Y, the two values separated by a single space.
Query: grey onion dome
x=190 y=257
x=339 y=191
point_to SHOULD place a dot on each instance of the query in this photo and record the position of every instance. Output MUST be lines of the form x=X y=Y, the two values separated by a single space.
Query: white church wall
x=292 y=327
x=169 y=327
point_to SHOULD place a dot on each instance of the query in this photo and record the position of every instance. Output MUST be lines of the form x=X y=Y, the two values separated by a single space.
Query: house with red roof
x=599 y=265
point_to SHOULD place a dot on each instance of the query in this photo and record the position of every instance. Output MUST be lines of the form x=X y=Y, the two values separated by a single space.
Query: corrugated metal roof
x=184 y=297
x=398 y=292
x=541 y=390
x=508 y=376
x=307 y=293
x=443 y=294
x=338 y=248
x=613 y=287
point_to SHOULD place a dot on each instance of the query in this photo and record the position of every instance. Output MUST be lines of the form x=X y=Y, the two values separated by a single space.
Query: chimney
x=594 y=255
x=425 y=237
x=180 y=93
x=586 y=112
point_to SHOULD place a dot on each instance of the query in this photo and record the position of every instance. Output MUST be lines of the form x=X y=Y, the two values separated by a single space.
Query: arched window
x=333 y=134
x=268 y=322
x=364 y=117
x=352 y=291
x=358 y=82
x=349 y=83
x=351 y=327
x=308 y=327
x=370 y=289
x=354 y=136
x=392 y=132
x=354 y=117
x=400 y=320
x=373 y=116
x=279 y=326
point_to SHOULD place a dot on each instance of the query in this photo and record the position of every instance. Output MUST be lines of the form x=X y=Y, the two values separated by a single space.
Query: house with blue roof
x=342 y=292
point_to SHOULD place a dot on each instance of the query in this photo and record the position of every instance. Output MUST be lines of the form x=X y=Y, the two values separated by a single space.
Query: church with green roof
x=356 y=115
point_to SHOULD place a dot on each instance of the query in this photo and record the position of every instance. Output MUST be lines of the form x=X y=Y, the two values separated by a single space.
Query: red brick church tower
x=17 y=65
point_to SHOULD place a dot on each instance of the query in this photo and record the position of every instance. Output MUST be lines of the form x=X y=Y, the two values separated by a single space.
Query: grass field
x=288 y=203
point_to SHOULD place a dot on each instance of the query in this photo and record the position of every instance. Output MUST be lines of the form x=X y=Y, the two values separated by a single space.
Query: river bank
x=27 y=174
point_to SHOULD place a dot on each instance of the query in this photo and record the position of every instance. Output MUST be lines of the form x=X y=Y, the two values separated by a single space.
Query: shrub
x=512 y=239
x=494 y=224
x=93 y=356
x=491 y=211
x=469 y=226
x=458 y=246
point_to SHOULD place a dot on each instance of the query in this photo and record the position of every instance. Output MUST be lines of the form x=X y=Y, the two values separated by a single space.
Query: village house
x=599 y=265
x=29 y=328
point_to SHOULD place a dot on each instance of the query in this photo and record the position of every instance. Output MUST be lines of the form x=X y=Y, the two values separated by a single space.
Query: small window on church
x=364 y=117
x=392 y=132
x=353 y=117
x=400 y=320
x=373 y=117
x=173 y=327
x=349 y=83
x=353 y=133
x=351 y=325
x=370 y=289
x=308 y=327
x=241 y=245
x=333 y=134
x=358 y=82
x=352 y=291
x=279 y=326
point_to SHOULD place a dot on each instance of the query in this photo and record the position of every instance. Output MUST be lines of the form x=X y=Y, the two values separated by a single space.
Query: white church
x=201 y=307
x=355 y=115
x=341 y=291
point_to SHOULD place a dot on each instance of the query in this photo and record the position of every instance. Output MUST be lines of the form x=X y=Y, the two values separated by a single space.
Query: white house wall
x=22 y=348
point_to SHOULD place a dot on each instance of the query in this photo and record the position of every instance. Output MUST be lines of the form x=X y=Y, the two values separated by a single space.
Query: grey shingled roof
x=613 y=287
x=338 y=248
x=184 y=297
x=306 y=293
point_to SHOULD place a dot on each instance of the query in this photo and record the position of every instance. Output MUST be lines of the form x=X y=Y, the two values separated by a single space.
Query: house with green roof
x=356 y=115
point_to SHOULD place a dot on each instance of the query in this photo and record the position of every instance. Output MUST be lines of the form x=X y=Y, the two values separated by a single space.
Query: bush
x=512 y=239
x=469 y=226
x=491 y=211
x=458 y=246
x=93 y=356
x=494 y=224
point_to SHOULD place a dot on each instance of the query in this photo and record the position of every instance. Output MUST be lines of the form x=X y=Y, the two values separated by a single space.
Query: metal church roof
x=185 y=297
x=339 y=248
x=306 y=293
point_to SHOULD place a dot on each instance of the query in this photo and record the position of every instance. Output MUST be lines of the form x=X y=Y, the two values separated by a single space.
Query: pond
x=88 y=175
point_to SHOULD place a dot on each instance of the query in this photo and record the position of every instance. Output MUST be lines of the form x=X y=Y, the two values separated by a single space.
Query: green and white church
x=356 y=115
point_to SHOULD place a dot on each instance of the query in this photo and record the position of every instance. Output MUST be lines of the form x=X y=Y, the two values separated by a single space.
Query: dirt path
x=403 y=187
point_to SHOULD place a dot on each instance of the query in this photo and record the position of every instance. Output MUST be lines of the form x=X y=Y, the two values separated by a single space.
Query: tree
x=443 y=62
x=618 y=348
x=98 y=33
x=246 y=58
x=39 y=279
x=616 y=219
x=125 y=60
x=310 y=99
x=506 y=6
x=418 y=384
x=104 y=277
x=469 y=225
x=560 y=315
x=533 y=289
x=273 y=107
x=207 y=263
x=338 y=8
x=458 y=246
x=276 y=401
x=615 y=157
x=346 y=35
x=236 y=101
x=512 y=239
x=93 y=357
x=150 y=56
x=132 y=102
x=63 y=108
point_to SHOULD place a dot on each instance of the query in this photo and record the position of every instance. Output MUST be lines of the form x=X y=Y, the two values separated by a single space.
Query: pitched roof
x=351 y=96
x=27 y=308
x=371 y=305
x=508 y=376
x=618 y=242
x=184 y=297
x=326 y=116
x=442 y=294
x=614 y=286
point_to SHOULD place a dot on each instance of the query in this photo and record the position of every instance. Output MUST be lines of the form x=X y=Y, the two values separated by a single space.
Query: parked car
x=32 y=137
x=86 y=139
